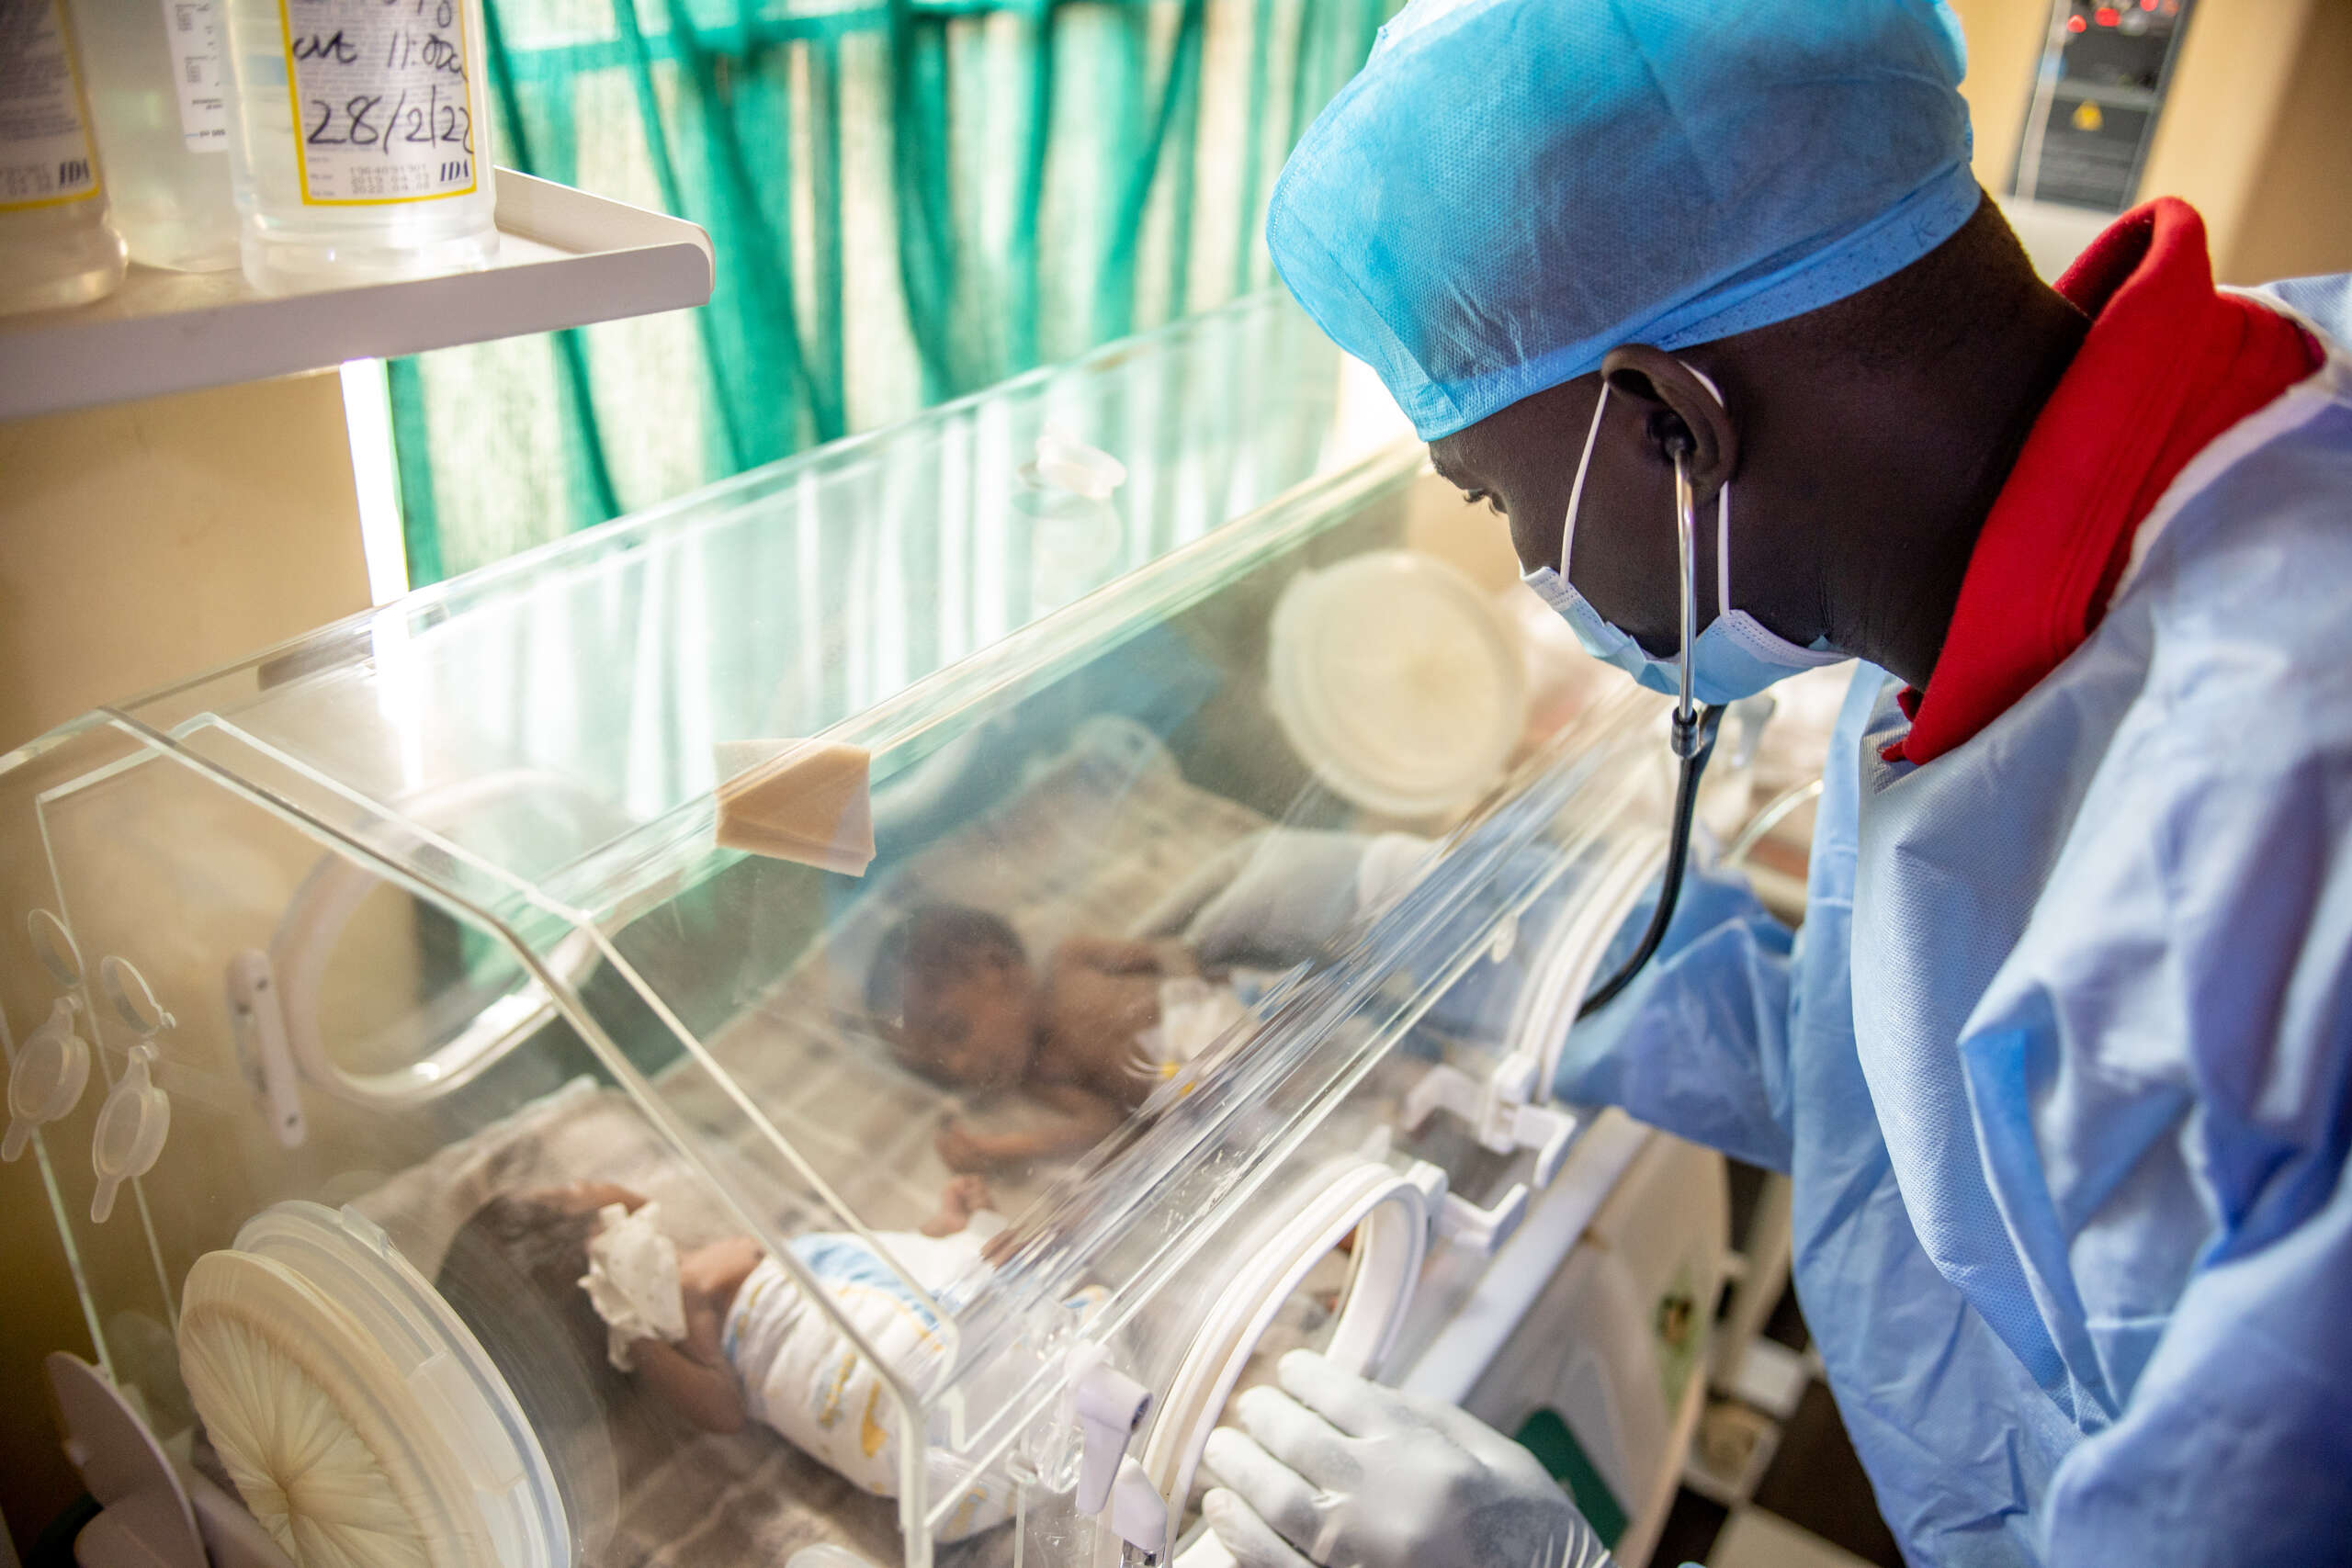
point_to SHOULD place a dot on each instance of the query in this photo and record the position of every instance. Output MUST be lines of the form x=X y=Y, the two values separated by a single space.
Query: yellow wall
x=2257 y=132
x=2004 y=45
x=2297 y=217
x=140 y=543
x=150 y=541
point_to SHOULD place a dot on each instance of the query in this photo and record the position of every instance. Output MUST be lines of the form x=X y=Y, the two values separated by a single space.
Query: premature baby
x=953 y=990
x=723 y=1334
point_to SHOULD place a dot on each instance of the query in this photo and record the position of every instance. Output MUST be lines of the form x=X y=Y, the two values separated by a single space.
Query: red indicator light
x=2076 y=25
x=2106 y=15
x=2148 y=4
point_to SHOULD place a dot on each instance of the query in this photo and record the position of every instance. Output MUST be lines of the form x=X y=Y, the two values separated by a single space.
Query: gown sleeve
x=1698 y=1044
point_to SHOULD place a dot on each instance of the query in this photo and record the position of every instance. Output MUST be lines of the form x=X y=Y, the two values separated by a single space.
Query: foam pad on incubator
x=808 y=801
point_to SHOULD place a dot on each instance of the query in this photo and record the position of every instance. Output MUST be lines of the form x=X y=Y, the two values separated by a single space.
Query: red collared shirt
x=2168 y=365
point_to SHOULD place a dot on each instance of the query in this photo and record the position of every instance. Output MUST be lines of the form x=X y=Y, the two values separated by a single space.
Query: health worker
x=2062 y=1063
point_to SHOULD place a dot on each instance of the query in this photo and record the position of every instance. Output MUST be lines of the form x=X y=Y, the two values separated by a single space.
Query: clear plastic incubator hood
x=1035 y=911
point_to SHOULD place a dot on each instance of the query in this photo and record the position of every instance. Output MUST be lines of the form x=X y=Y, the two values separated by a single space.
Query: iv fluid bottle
x=359 y=142
x=57 y=246
x=162 y=118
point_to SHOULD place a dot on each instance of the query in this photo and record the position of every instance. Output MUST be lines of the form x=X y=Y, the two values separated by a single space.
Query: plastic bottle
x=57 y=246
x=359 y=142
x=160 y=112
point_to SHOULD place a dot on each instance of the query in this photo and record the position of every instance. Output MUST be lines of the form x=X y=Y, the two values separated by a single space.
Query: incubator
x=618 y=866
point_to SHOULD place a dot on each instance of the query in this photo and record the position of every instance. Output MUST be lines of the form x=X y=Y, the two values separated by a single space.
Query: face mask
x=1735 y=657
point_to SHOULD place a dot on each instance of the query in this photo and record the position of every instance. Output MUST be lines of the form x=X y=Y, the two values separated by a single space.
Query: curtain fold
x=908 y=199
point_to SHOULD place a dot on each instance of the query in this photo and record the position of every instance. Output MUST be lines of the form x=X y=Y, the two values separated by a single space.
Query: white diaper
x=803 y=1378
x=1194 y=1013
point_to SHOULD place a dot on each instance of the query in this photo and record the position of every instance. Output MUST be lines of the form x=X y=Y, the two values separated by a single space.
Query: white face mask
x=1735 y=657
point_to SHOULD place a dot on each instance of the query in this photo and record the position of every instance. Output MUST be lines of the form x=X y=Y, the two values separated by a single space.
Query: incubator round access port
x=1397 y=681
x=354 y=1409
x=1335 y=1275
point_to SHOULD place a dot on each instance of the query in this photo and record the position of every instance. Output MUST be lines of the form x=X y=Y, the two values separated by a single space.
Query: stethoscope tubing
x=1693 y=742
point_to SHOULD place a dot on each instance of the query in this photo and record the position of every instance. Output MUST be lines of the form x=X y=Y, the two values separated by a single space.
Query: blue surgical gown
x=2061 y=1063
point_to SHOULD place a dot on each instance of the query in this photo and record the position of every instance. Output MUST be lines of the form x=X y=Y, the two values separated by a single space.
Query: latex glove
x=632 y=1280
x=1343 y=1472
x=1291 y=892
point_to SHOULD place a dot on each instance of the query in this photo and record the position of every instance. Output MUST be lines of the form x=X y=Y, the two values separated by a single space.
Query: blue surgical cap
x=1512 y=188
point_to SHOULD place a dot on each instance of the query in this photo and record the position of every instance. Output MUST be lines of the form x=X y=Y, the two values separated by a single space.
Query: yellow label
x=46 y=158
x=381 y=100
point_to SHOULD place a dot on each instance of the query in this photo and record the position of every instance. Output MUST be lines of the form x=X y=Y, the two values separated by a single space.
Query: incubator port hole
x=1308 y=1319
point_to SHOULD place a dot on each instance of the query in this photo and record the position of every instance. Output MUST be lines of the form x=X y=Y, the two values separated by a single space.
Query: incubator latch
x=1110 y=1406
x=1138 y=1516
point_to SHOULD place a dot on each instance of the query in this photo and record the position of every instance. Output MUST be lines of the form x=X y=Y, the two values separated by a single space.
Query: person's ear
x=1675 y=400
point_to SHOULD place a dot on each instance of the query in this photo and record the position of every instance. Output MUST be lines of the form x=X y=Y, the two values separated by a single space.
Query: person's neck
x=1949 y=434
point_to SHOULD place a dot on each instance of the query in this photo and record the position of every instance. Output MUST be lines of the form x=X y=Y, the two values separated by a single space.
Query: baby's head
x=513 y=1274
x=536 y=1243
x=952 y=989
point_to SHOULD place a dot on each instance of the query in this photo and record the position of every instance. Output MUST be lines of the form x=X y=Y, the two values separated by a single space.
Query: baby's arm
x=691 y=1376
x=1113 y=955
x=1082 y=1119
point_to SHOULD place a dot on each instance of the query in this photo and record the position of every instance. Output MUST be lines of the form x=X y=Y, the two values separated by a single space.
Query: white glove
x=632 y=1280
x=1348 y=1474
x=1291 y=892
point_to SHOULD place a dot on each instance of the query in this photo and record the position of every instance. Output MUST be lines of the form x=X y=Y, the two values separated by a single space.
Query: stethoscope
x=1692 y=736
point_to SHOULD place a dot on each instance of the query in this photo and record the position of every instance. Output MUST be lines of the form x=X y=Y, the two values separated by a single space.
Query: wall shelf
x=565 y=258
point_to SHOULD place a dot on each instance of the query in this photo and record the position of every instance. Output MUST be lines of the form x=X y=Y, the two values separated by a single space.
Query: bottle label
x=46 y=157
x=192 y=27
x=381 y=109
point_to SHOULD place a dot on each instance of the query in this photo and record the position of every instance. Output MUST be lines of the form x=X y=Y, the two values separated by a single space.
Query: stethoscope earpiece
x=1671 y=437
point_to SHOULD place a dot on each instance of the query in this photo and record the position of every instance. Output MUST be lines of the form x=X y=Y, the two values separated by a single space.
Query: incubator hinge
x=1464 y=1223
x=1499 y=1111
x=259 y=1025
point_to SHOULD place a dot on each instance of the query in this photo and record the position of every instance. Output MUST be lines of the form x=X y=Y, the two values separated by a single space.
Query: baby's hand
x=961 y=1149
x=966 y=1195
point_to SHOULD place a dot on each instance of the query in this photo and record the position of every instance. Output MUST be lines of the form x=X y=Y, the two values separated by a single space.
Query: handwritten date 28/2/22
x=361 y=121
x=383 y=108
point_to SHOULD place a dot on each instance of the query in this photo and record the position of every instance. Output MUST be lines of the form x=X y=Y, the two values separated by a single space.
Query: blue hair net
x=1511 y=188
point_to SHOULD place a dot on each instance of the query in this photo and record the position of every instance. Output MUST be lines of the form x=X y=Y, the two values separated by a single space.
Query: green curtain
x=908 y=201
